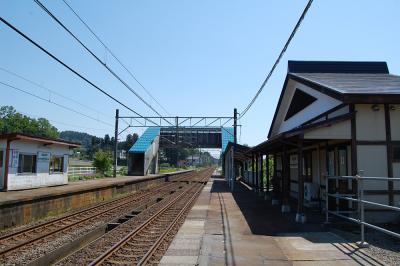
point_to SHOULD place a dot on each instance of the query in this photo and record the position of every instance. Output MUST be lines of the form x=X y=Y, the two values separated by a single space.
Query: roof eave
x=44 y=140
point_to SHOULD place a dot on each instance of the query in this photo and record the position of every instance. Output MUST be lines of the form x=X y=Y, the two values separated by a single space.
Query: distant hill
x=84 y=138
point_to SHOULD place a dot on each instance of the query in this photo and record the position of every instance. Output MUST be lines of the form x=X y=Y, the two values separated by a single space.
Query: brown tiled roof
x=46 y=140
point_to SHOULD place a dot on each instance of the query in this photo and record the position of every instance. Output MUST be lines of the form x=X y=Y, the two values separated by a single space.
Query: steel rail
x=107 y=254
x=178 y=217
x=104 y=256
x=68 y=226
x=134 y=198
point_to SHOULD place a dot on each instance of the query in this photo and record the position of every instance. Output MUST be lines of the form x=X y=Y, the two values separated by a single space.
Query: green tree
x=130 y=140
x=13 y=122
x=102 y=161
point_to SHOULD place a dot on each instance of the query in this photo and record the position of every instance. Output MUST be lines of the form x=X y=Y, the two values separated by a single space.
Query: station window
x=1 y=158
x=26 y=164
x=307 y=166
x=56 y=164
x=396 y=153
x=331 y=163
x=342 y=154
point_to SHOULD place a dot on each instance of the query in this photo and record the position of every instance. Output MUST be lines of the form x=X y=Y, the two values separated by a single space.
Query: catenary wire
x=278 y=59
x=96 y=57
x=71 y=69
x=57 y=93
x=52 y=102
x=53 y=92
x=61 y=123
x=114 y=56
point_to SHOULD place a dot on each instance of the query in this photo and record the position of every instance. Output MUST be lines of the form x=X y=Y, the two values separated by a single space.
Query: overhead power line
x=71 y=69
x=54 y=92
x=278 y=59
x=52 y=102
x=96 y=57
x=115 y=57
x=61 y=123
x=57 y=93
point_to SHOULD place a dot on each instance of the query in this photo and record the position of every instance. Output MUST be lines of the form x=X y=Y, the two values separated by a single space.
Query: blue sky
x=196 y=57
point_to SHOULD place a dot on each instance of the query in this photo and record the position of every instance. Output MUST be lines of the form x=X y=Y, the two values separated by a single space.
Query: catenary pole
x=116 y=143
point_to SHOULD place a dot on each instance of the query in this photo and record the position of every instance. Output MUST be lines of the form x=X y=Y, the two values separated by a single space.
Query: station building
x=332 y=119
x=28 y=161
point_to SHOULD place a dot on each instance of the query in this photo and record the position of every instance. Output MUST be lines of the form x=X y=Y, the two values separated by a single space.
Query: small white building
x=28 y=161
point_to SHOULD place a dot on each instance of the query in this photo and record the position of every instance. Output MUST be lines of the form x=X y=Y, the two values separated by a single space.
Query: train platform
x=31 y=205
x=9 y=197
x=240 y=228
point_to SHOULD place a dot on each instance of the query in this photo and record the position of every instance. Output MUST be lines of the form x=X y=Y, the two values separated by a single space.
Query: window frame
x=33 y=165
x=307 y=166
x=52 y=172
x=346 y=170
x=328 y=162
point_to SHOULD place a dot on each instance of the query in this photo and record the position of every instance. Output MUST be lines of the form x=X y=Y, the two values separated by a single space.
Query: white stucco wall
x=370 y=124
x=372 y=159
x=151 y=153
x=42 y=178
x=395 y=122
x=396 y=173
x=338 y=112
x=340 y=130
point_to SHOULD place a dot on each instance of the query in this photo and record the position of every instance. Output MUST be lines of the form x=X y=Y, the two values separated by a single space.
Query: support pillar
x=116 y=143
x=6 y=165
x=261 y=175
x=252 y=170
x=257 y=173
x=354 y=167
x=389 y=153
x=300 y=216
x=275 y=192
x=247 y=172
x=234 y=146
x=285 y=182
x=267 y=177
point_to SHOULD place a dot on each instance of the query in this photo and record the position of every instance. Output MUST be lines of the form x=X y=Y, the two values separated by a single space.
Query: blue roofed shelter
x=143 y=155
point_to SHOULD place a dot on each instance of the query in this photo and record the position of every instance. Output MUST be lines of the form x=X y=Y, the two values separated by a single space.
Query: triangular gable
x=300 y=101
x=298 y=104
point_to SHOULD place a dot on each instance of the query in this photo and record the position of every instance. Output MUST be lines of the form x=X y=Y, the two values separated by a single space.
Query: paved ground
x=242 y=229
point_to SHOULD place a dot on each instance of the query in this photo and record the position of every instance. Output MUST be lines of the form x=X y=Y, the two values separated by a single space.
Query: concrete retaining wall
x=26 y=211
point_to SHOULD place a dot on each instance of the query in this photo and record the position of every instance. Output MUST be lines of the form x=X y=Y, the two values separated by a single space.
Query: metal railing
x=361 y=202
x=75 y=171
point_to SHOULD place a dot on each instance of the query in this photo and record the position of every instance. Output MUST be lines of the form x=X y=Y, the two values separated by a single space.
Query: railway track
x=19 y=240
x=146 y=239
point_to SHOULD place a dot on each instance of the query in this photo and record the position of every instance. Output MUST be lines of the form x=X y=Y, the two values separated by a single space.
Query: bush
x=123 y=171
x=102 y=161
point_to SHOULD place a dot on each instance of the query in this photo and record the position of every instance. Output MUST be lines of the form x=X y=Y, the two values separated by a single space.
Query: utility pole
x=234 y=146
x=116 y=143
x=177 y=140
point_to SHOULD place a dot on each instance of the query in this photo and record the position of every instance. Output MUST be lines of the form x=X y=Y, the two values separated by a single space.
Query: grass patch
x=169 y=169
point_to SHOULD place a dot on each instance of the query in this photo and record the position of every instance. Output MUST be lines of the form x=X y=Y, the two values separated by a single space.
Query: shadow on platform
x=262 y=217
x=267 y=220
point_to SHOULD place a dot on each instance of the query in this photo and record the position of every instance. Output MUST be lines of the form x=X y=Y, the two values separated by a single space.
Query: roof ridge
x=355 y=67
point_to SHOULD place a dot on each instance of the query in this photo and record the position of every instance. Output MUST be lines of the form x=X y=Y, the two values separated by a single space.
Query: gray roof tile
x=355 y=83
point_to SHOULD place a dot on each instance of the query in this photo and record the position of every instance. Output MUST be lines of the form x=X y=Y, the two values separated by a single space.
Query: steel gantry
x=181 y=131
